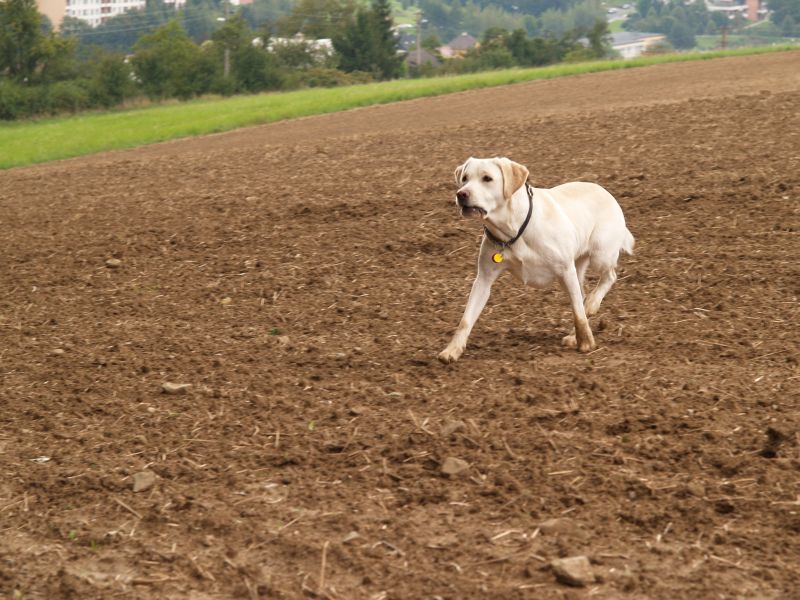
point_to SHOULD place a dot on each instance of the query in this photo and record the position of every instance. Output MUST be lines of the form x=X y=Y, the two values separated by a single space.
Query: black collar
x=500 y=242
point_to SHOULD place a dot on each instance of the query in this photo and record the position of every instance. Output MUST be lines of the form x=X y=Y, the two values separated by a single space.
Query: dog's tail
x=628 y=242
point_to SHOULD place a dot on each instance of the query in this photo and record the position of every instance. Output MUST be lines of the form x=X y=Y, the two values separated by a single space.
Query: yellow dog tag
x=497 y=257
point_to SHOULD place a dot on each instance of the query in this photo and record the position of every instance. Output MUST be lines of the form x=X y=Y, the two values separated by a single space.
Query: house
x=631 y=44
x=753 y=10
x=458 y=46
x=321 y=49
x=93 y=12
x=416 y=58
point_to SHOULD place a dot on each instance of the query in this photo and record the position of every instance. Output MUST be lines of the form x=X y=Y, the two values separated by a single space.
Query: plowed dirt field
x=302 y=277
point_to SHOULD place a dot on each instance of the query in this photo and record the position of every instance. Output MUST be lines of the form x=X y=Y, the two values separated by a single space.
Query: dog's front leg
x=488 y=272
x=582 y=338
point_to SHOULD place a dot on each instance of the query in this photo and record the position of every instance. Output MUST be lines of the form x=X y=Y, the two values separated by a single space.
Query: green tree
x=57 y=60
x=111 y=82
x=252 y=68
x=782 y=9
x=368 y=44
x=680 y=35
x=168 y=64
x=789 y=26
x=599 y=39
x=431 y=42
x=21 y=38
x=317 y=18
x=388 y=61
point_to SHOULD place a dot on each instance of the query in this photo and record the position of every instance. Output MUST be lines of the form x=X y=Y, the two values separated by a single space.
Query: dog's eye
x=486 y=178
x=464 y=179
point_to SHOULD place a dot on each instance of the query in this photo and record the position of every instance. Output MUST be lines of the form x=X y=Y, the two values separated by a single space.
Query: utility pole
x=724 y=43
x=226 y=65
x=419 y=52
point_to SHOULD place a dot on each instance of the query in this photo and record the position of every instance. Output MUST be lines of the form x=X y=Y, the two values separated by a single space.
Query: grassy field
x=30 y=142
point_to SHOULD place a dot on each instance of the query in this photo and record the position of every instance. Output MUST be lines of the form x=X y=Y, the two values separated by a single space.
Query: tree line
x=42 y=72
x=45 y=73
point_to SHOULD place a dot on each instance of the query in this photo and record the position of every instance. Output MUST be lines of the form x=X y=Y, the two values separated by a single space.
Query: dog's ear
x=460 y=171
x=514 y=176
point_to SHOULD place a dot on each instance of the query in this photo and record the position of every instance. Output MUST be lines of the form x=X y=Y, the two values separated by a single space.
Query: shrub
x=12 y=101
x=321 y=77
x=111 y=81
x=67 y=96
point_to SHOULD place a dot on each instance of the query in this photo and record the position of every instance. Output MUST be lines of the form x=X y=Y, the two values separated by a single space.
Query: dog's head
x=487 y=184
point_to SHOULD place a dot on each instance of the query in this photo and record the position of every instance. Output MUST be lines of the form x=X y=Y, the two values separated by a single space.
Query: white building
x=631 y=44
x=95 y=12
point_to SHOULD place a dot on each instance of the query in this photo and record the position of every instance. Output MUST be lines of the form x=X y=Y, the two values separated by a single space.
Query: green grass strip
x=30 y=142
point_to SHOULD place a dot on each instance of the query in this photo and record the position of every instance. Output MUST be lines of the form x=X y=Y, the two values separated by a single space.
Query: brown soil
x=303 y=277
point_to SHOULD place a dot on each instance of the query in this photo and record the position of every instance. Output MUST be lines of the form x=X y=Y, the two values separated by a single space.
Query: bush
x=168 y=64
x=67 y=96
x=321 y=77
x=12 y=101
x=18 y=101
x=111 y=81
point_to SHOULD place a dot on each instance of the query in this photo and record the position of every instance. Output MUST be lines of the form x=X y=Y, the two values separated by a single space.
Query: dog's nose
x=462 y=196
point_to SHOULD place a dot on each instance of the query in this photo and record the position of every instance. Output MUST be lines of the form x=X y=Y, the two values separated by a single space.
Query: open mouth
x=472 y=211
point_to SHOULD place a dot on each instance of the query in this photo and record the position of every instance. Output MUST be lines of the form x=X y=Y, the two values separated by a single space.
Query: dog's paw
x=586 y=345
x=592 y=305
x=569 y=341
x=449 y=355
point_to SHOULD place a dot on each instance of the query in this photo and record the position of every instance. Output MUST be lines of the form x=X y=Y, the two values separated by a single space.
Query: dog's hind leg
x=607 y=278
x=580 y=267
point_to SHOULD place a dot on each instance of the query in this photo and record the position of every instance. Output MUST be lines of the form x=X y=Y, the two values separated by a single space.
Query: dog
x=539 y=235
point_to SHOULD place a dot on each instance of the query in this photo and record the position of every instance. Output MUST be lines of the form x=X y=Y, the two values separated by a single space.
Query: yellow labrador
x=540 y=235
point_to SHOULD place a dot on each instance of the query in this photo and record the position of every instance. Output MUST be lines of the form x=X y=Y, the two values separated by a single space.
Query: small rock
x=113 y=263
x=57 y=351
x=450 y=427
x=175 y=388
x=454 y=466
x=351 y=537
x=696 y=488
x=226 y=301
x=566 y=527
x=143 y=480
x=284 y=340
x=575 y=571
x=357 y=410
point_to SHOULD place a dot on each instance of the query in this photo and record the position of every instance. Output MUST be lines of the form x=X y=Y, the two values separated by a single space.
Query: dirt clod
x=562 y=526
x=454 y=466
x=451 y=427
x=774 y=440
